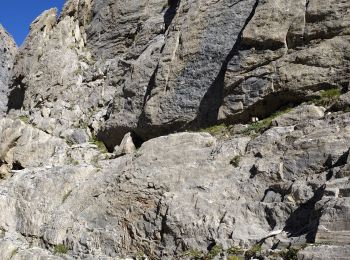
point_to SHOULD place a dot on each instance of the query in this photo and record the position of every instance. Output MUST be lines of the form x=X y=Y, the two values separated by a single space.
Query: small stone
x=127 y=146
x=45 y=112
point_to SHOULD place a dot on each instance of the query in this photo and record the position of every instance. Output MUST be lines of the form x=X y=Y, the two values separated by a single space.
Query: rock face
x=7 y=53
x=186 y=56
x=226 y=124
x=155 y=67
x=186 y=191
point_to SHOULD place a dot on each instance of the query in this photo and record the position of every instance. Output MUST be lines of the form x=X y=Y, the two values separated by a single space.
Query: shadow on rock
x=305 y=219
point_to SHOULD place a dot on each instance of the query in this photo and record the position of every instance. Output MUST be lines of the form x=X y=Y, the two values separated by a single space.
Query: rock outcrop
x=187 y=191
x=7 y=54
x=177 y=129
x=156 y=67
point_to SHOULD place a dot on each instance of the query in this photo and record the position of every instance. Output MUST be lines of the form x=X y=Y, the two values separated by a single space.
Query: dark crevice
x=17 y=166
x=137 y=140
x=170 y=12
x=277 y=191
x=212 y=100
x=342 y=160
x=211 y=245
x=265 y=193
x=307 y=5
x=270 y=218
x=150 y=86
x=164 y=227
x=305 y=219
x=253 y=172
x=113 y=136
x=17 y=94
x=345 y=86
x=269 y=44
x=329 y=175
x=330 y=165
x=329 y=162
x=109 y=111
x=268 y=106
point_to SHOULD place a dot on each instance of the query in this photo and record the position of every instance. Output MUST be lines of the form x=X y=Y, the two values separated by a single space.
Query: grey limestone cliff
x=8 y=50
x=177 y=129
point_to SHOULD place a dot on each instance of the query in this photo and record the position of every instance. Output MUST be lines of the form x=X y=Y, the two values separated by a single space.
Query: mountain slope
x=177 y=130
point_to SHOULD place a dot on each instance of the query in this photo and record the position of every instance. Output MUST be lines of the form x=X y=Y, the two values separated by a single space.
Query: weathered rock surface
x=289 y=56
x=183 y=192
x=154 y=67
x=136 y=75
x=23 y=146
x=325 y=253
x=8 y=50
x=48 y=76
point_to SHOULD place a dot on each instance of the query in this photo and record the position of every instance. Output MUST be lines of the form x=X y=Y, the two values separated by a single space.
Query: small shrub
x=214 y=251
x=78 y=71
x=84 y=125
x=290 y=254
x=253 y=252
x=327 y=97
x=235 y=257
x=140 y=255
x=60 y=249
x=235 y=161
x=194 y=254
x=24 y=119
x=71 y=160
x=331 y=93
x=235 y=250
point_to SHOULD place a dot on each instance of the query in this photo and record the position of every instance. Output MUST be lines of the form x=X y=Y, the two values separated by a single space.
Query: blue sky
x=17 y=15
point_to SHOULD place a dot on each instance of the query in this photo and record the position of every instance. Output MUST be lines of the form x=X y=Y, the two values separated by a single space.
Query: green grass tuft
x=215 y=130
x=235 y=257
x=100 y=145
x=214 y=251
x=253 y=252
x=265 y=123
x=60 y=249
x=234 y=250
x=194 y=254
x=327 y=97
x=24 y=119
x=290 y=254
x=331 y=93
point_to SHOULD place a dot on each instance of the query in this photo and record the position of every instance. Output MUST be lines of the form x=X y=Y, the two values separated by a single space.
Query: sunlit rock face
x=8 y=51
x=177 y=129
